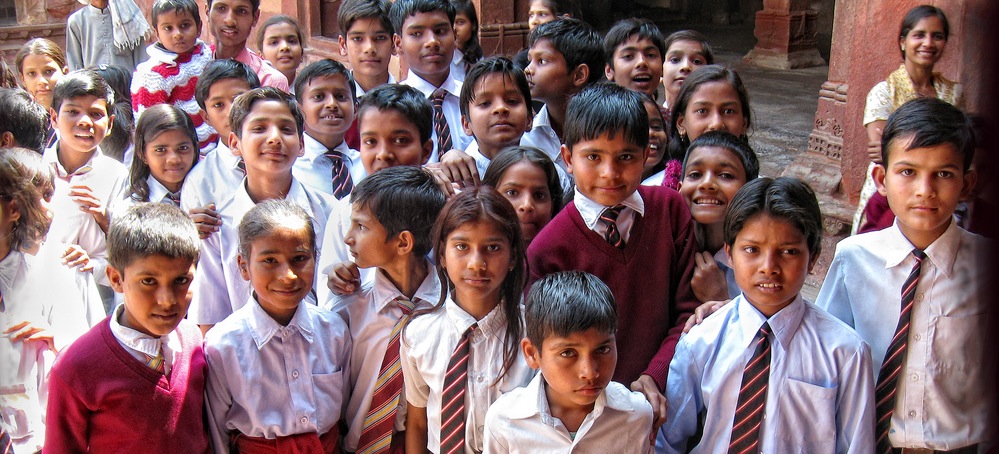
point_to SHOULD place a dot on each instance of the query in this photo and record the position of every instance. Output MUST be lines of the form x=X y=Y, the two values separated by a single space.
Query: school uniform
x=820 y=373
x=544 y=138
x=213 y=180
x=271 y=381
x=352 y=136
x=450 y=107
x=157 y=194
x=315 y=170
x=359 y=91
x=458 y=65
x=335 y=251
x=481 y=161
x=521 y=421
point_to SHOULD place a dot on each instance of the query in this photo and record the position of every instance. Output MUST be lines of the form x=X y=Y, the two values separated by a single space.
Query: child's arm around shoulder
x=855 y=415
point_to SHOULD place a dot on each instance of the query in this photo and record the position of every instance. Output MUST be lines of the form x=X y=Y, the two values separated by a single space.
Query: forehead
x=280 y=29
x=35 y=60
x=233 y=3
x=327 y=82
x=428 y=19
x=685 y=46
x=608 y=142
x=174 y=15
x=717 y=91
x=714 y=156
x=85 y=101
x=495 y=81
x=367 y=25
x=939 y=155
x=928 y=23
x=388 y=120
x=636 y=42
x=157 y=264
x=228 y=88
x=269 y=109
x=591 y=336
x=770 y=228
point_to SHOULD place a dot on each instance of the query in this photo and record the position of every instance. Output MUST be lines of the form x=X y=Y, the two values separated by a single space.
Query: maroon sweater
x=101 y=399
x=650 y=277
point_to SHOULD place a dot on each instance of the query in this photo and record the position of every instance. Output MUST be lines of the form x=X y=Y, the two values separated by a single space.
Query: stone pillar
x=785 y=33
x=500 y=31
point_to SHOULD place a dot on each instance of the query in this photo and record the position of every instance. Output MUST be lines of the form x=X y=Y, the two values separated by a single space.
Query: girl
x=656 y=168
x=466 y=30
x=282 y=42
x=40 y=63
x=686 y=50
x=280 y=342
x=528 y=179
x=477 y=325
x=542 y=11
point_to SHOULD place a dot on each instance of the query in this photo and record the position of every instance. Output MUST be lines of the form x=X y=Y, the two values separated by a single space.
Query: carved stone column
x=785 y=34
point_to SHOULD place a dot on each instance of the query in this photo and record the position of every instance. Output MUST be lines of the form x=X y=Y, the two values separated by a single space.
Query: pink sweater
x=101 y=399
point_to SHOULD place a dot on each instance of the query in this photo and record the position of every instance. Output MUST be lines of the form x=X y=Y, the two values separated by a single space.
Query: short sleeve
x=878 y=105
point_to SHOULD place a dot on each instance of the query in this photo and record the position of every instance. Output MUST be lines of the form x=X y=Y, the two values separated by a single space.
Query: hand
x=874 y=148
x=442 y=180
x=647 y=385
x=89 y=203
x=708 y=282
x=702 y=312
x=344 y=279
x=459 y=168
x=26 y=332
x=206 y=219
x=76 y=257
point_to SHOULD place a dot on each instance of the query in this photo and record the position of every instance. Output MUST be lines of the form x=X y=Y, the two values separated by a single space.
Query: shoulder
x=557 y=228
x=89 y=349
x=864 y=244
x=430 y=322
x=329 y=322
x=230 y=331
x=832 y=332
x=711 y=330
x=621 y=398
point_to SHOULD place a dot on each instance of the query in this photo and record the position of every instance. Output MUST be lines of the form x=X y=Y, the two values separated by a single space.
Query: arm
x=416 y=429
x=855 y=415
x=67 y=418
x=74 y=51
x=683 y=398
x=834 y=296
x=218 y=400
x=708 y=283
x=417 y=393
x=874 y=130
x=210 y=303
x=459 y=168
x=493 y=440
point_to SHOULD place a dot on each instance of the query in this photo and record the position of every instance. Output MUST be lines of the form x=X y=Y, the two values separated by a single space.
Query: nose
x=609 y=170
x=384 y=153
x=529 y=70
x=433 y=41
x=165 y=297
x=643 y=61
x=524 y=203
x=348 y=238
x=476 y=260
x=715 y=123
x=708 y=183
x=285 y=45
x=769 y=264
x=587 y=368
x=685 y=65
x=172 y=157
x=287 y=273
x=925 y=187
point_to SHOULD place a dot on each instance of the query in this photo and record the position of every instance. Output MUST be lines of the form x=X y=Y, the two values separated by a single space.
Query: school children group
x=325 y=260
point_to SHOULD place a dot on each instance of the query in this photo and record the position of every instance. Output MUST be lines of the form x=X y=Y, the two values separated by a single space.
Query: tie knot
x=765 y=330
x=437 y=97
x=334 y=156
x=919 y=255
x=468 y=332
x=406 y=305
x=612 y=213
x=173 y=197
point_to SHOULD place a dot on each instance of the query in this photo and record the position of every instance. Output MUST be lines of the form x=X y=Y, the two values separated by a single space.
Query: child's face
x=177 y=31
x=281 y=268
x=923 y=187
x=271 y=140
x=426 y=42
x=657 y=135
x=682 y=58
x=231 y=22
x=577 y=368
x=170 y=155
x=637 y=64
x=498 y=114
x=710 y=181
x=547 y=74
x=538 y=14
x=39 y=73
x=368 y=47
x=477 y=256
x=714 y=106
x=525 y=185
x=389 y=139
x=157 y=291
x=368 y=240
x=462 y=30
x=219 y=102
x=925 y=43
x=771 y=260
x=82 y=123
x=282 y=47
x=328 y=105
x=607 y=170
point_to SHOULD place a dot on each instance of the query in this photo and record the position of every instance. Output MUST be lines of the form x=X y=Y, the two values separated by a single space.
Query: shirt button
x=304 y=420
x=917 y=337
x=478 y=379
x=912 y=414
x=919 y=297
x=481 y=429
x=294 y=374
x=915 y=377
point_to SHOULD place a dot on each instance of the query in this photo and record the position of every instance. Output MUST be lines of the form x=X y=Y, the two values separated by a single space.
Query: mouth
x=708 y=201
x=476 y=281
x=769 y=287
x=229 y=32
x=590 y=391
x=166 y=318
x=287 y=291
x=642 y=79
x=434 y=57
x=336 y=118
x=84 y=136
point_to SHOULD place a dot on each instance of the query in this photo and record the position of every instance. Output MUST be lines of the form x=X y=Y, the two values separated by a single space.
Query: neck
x=329 y=141
x=407 y=274
x=710 y=237
x=477 y=307
x=436 y=80
x=266 y=187
x=921 y=76
x=172 y=187
x=491 y=152
x=5 y=247
x=290 y=75
x=222 y=52
x=72 y=160
x=556 y=116
x=282 y=317
x=369 y=83
x=99 y=4
x=572 y=416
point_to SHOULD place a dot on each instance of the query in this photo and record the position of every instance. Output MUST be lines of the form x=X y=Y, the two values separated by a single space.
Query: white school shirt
x=452 y=111
x=521 y=421
x=267 y=380
x=315 y=170
x=590 y=212
x=219 y=288
x=425 y=360
x=359 y=91
x=481 y=161
x=157 y=193
x=138 y=344
x=655 y=179
x=371 y=314
x=543 y=137
x=820 y=373
x=943 y=396
x=458 y=65
x=213 y=180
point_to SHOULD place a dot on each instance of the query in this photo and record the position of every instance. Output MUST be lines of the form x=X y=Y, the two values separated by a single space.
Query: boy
x=267 y=134
x=565 y=56
x=366 y=40
x=325 y=91
x=634 y=50
x=424 y=40
x=231 y=22
x=572 y=405
x=638 y=240
x=88 y=29
x=392 y=212
x=25 y=121
x=747 y=376
x=927 y=272
x=136 y=381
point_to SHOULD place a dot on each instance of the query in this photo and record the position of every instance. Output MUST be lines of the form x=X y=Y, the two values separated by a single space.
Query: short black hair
x=165 y=6
x=280 y=19
x=485 y=67
x=624 y=29
x=690 y=35
x=326 y=67
x=929 y=122
x=243 y=105
x=784 y=198
x=352 y=10
x=24 y=118
x=568 y=302
x=740 y=148
x=403 y=9
x=148 y=229
x=219 y=70
x=406 y=100
x=563 y=7
x=402 y=198
x=84 y=82
x=577 y=41
x=606 y=108
x=117 y=142
x=512 y=155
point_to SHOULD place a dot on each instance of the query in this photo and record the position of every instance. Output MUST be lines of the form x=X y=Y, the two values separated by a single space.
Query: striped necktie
x=453 y=396
x=376 y=432
x=342 y=183
x=173 y=198
x=440 y=122
x=752 y=397
x=891 y=368
x=609 y=218
x=157 y=362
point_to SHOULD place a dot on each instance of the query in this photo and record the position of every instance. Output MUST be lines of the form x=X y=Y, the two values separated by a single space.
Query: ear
x=7 y=139
x=234 y=144
x=13 y=211
x=428 y=149
x=970 y=180
x=343 y=45
x=531 y=353
x=397 y=41
x=404 y=242
x=878 y=175
x=244 y=267
x=256 y=16
x=609 y=72
x=812 y=261
x=680 y=128
x=567 y=157
x=110 y=125
x=54 y=118
x=466 y=125
x=116 y=278
x=204 y=116
x=301 y=145
x=580 y=75
x=728 y=252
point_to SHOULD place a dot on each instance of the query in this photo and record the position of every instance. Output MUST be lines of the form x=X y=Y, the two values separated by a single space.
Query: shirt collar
x=157 y=192
x=9 y=267
x=314 y=149
x=228 y=159
x=542 y=118
x=359 y=91
x=51 y=157
x=384 y=292
x=590 y=210
x=783 y=324
x=942 y=253
x=453 y=87
x=722 y=258
x=481 y=161
x=492 y=325
x=138 y=341
x=611 y=397
x=263 y=328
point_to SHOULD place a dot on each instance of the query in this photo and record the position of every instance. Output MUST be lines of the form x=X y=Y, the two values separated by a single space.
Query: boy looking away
x=230 y=23
x=927 y=276
x=571 y=321
x=24 y=120
x=634 y=50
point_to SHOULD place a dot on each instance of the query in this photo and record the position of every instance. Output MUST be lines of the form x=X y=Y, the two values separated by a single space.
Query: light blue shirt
x=821 y=393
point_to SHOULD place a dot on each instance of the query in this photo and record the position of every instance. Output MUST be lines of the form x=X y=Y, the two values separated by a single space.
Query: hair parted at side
x=271 y=214
x=281 y=19
x=691 y=35
x=512 y=155
x=220 y=70
x=352 y=10
x=153 y=122
x=485 y=67
x=917 y=14
x=26 y=179
x=928 y=122
x=624 y=29
x=403 y=9
x=83 y=82
x=326 y=67
x=408 y=101
x=577 y=41
x=606 y=108
x=39 y=46
x=568 y=302
x=784 y=198
x=735 y=145
x=243 y=105
x=710 y=73
x=402 y=198
x=148 y=229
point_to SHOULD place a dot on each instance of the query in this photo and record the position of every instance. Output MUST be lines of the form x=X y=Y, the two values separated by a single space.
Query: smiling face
x=170 y=156
x=711 y=179
x=328 y=105
x=426 y=42
x=367 y=240
x=525 y=185
x=177 y=31
x=39 y=73
x=281 y=268
x=637 y=64
x=607 y=169
x=771 y=260
x=925 y=43
x=389 y=139
x=714 y=106
x=477 y=256
x=82 y=123
x=576 y=368
x=547 y=73
x=657 y=135
x=498 y=114
x=270 y=140
x=157 y=292
x=231 y=22
x=282 y=48
x=682 y=58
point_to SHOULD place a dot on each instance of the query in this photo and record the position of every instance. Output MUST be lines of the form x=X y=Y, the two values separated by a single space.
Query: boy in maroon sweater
x=639 y=240
x=136 y=382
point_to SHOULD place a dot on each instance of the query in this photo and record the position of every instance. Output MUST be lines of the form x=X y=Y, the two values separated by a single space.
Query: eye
x=790 y=251
x=945 y=174
x=181 y=280
x=510 y=193
x=567 y=353
x=592 y=157
x=461 y=246
x=243 y=11
x=368 y=142
x=729 y=111
x=693 y=175
x=541 y=195
x=221 y=8
x=907 y=172
x=750 y=249
x=626 y=157
x=493 y=248
x=402 y=141
x=300 y=258
x=147 y=281
x=217 y=105
x=727 y=175
x=270 y=260
x=674 y=60
x=699 y=62
x=356 y=39
x=603 y=349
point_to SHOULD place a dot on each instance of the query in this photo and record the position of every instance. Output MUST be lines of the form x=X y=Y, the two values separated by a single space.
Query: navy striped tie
x=609 y=217
x=440 y=122
x=752 y=397
x=453 y=397
x=342 y=183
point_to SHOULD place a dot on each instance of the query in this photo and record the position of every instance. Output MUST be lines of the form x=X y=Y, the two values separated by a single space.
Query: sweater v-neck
x=140 y=368
x=618 y=255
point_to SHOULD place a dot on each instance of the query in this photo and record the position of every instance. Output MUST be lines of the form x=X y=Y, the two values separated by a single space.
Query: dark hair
x=784 y=198
x=403 y=9
x=512 y=155
x=254 y=5
x=265 y=216
x=180 y=6
x=39 y=46
x=352 y=10
x=25 y=178
x=677 y=144
x=484 y=204
x=280 y=19
x=219 y=70
x=738 y=147
x=402 y=198
x=26 y=120
x=326 y=67
x=917 y=14
x=606 y=109
x=577 y=41
x=406 y=100
x=116 y=142
x=929 y=122
x=568 y=302
x=624 y=29
x=563 y=7
x=690 y=35
x=492 y=65
x=7 y=77
x=153 y=122
x=243 y=105
x=84 y=82
x=148 y=229
x=472 y=50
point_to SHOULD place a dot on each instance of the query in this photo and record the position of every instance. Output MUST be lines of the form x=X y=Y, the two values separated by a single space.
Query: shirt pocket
x=807 y=422
x=329 y=389
x=957 y=343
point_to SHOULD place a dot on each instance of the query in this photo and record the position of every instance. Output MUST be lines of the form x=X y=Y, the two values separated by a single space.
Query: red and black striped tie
x=752 y=397
x=342 y=183
x=891 y=368
x=441 y=127
x=453 y=397
x=609 y=217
